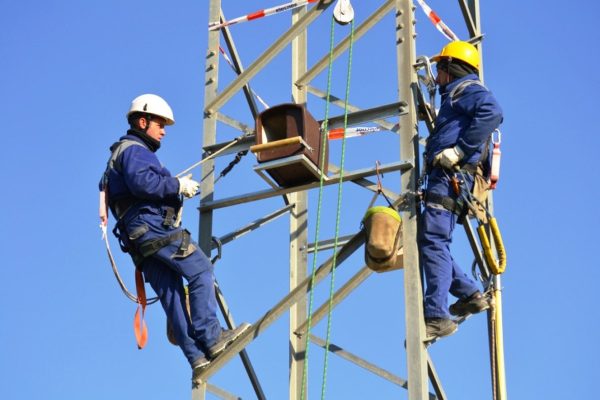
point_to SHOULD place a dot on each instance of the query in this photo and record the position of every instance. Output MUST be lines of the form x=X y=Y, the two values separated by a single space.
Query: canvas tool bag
x=383 y=244
x=481 y=190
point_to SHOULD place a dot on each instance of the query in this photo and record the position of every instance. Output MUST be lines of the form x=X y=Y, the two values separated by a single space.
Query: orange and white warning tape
x=338 y=133
x=259 y=14
x=437 y=21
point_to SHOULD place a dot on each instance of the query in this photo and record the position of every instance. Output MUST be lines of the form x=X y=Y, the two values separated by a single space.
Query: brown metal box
x=288 y=121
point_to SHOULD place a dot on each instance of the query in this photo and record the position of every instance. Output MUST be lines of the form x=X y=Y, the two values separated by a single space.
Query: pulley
x=343 y=12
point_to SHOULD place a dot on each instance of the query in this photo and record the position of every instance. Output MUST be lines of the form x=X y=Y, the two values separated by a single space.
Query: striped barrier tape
x=259 y=14
x=437 y=21
x=338 y=133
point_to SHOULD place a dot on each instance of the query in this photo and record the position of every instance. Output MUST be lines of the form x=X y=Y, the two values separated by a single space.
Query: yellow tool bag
x=383 y=244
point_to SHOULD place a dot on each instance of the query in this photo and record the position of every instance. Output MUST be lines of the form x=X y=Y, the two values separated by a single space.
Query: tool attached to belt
x=497 y=266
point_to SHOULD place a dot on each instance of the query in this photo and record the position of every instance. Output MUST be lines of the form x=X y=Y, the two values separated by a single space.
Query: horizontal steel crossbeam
x=264 y=194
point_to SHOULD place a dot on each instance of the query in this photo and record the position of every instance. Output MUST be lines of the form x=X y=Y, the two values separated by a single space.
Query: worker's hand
x=449 y=158
x=188 y=187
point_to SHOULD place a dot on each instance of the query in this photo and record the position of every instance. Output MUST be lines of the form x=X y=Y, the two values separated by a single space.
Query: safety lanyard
x=495 y=174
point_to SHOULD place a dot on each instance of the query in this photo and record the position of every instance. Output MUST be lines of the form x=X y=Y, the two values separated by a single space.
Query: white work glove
x=188 y=187
x=448 y=158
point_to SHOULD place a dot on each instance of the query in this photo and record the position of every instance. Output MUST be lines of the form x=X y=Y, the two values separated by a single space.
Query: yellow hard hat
x=459 y=50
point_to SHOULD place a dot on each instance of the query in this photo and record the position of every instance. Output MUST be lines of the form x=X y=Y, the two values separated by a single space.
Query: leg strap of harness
x=150 y=247
x=447 y=202
x=184 y=248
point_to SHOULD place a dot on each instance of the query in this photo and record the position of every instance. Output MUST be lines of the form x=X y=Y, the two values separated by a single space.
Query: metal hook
x=429 y=80
x=219 y=250
x=498 y=135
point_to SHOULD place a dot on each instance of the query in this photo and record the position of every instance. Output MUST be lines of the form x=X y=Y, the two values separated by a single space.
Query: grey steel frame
x=419 y=366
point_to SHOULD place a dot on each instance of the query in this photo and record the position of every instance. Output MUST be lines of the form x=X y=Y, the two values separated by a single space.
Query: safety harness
x=456 y=205
x=144 y=249
x=472 y=201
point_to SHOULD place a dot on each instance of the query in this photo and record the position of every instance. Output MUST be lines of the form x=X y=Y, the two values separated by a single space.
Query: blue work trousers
x=442 y=274
x=165 y=274
x=165 y=270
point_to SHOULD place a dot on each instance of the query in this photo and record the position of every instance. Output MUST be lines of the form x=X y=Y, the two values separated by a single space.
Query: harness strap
x=184 y=247
x=460 y=88
x=113 y=162
x=149 y=247
x=445 y=201
x=469 y=168
x=120 y=207
x=139 y=325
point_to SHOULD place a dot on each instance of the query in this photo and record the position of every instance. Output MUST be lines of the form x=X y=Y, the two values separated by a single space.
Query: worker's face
x=443 y=77
x=156 y=127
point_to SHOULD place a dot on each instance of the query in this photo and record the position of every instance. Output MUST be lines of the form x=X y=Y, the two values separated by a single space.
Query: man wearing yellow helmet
x=468 y=115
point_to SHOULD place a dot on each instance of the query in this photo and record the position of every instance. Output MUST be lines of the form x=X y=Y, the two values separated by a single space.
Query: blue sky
x=69 y=72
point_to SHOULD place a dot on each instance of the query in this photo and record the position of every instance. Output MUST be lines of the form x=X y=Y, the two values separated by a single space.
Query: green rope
x=319 y=204
x=338 y=213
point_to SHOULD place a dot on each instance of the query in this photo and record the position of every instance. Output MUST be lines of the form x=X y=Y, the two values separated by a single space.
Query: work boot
x=226 y=337
x=473 y=304
x=439 y=327
x=197 y=367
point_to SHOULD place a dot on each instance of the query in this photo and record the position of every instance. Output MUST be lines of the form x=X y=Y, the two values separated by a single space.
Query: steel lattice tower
x=407 y=111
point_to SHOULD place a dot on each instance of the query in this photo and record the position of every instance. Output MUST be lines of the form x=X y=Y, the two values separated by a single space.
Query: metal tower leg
x=210 y=132
x=298 y=230
x=207 y=188
x=409 y=142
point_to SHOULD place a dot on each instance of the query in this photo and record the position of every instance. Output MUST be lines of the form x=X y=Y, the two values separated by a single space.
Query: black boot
x=225 y=339
x=473 y=304
x=197 y=367
x=439 y=327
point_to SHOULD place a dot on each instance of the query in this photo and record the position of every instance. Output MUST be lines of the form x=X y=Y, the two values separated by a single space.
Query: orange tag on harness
x=139 y=325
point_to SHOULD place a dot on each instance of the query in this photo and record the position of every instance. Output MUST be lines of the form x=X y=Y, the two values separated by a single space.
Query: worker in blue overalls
x=468 y=115
x=145 y=200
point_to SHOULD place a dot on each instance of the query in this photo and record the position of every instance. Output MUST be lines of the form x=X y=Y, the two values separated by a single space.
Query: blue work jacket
x=141 y=181
x=467 y=120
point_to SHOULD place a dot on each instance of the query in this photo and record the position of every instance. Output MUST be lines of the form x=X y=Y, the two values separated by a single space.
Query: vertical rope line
x=318 y=222
x=338 y=215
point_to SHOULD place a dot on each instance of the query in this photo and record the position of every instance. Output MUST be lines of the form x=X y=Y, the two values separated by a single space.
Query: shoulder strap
x=121 y=147
x=460 y=88
x=112 y=161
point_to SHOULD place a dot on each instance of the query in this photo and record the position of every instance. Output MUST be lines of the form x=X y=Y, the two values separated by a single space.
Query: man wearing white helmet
x=145 y=200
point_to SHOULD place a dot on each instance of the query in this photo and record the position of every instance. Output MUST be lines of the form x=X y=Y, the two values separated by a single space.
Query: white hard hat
x=152 y=104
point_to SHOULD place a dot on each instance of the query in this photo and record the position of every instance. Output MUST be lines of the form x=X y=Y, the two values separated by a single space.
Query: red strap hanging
x=495 y=175
x=139 y=325
x=379 y=186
